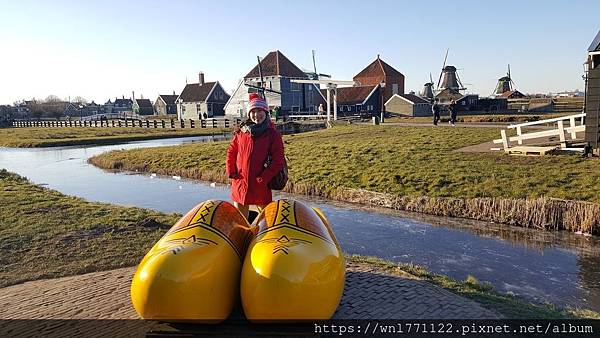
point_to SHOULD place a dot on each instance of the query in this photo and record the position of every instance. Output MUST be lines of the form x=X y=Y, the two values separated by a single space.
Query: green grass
x=45 y=234
x=50 y=137
x=403 y=161
x=482 y=293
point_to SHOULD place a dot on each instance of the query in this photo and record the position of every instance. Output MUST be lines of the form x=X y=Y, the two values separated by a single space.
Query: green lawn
x=49 y=137
x=403 y=161
x=45 y=234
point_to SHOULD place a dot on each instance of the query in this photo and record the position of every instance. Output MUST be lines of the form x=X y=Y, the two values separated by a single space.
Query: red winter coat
x=246 y=157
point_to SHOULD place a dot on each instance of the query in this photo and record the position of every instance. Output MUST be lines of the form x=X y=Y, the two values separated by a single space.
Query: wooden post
x=163 y=123
x=561 y=134
x=119 y=121
x=154 y=124
x=182 y=121
x=203 y=123
x=214 y=123
x=519 y=141
x=192 y=124
x=172 y=124
x=572 y=124
x=226 y=123
x=505 y=143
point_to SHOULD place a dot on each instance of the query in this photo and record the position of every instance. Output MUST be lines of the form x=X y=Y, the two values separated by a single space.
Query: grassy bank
x=45 y=234
x=51 y=137
x=410 y=168
x=487 y=118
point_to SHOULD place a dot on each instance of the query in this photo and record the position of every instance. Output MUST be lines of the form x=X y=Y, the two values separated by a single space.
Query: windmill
x=505 y=84
x=449 y=78
x=260 y=88
x=427 y=92
x=315 y=75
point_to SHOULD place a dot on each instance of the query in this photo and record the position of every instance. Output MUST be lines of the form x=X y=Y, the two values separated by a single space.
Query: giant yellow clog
x=294 y=268
x=192 y=273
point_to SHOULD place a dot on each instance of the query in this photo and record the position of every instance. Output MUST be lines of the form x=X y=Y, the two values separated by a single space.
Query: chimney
x=201 y=76
x=133 y=95
x=173 y=92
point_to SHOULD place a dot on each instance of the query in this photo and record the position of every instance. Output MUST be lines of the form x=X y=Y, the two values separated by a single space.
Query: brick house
x=379 y=72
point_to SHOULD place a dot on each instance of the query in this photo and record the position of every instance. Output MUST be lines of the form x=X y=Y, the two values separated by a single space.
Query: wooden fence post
x=163 y=123
x=226 y=123
x=192 y=124
x=203 y=123
x=214 y=123
x=182 y=121
x=172 y=124
x=154 y=124
x=561 y=134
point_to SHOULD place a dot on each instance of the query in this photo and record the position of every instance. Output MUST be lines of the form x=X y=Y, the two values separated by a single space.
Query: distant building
x=122 y=105
x=165 y=105
x=408 y=105
x=142 y=107
x=277 y=72
x=512 y=94
x=202 y=100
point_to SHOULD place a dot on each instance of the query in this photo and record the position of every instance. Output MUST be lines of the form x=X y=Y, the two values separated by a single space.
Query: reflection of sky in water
x=546 y=273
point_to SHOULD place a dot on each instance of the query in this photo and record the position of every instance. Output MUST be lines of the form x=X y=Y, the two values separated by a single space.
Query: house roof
x=595 y=46
x=510 y=92
x=123 y=101
x=413 y=98
x=194 y=92
x=352 y=95
x=378 y=68
x=143 y=103
x=275 y=63
x=169 y=99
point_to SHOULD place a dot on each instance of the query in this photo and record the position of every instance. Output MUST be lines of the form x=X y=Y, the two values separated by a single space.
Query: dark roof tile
x=169 y=99
x=351 y=95
x=194 y=92
x=275 y=63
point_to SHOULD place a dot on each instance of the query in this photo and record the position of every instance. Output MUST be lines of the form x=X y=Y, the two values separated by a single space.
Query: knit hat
x=256 y=101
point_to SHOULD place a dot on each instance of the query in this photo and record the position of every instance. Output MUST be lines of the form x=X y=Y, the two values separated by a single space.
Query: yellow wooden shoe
x=192 y=273
x=294 y=268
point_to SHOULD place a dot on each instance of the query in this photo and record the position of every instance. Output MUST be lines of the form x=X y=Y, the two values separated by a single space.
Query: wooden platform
x=530 y=150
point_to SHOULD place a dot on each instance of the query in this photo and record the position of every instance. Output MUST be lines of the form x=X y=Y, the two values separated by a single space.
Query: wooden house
x=592 y=95
x=165 y=105
x=408 y=105
x=202 y=100
x=277 y=71
x=142 y=107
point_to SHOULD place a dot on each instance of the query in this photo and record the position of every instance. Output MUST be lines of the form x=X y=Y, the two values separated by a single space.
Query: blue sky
x=104 y=49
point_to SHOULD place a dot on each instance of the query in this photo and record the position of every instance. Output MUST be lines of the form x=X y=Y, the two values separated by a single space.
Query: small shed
x=592 y=95
x=408 y=105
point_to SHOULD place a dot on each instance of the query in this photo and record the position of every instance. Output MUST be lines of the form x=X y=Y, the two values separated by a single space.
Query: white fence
x=559 y=129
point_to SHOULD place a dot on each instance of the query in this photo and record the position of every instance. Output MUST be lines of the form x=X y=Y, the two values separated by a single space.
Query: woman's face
x=257 y=115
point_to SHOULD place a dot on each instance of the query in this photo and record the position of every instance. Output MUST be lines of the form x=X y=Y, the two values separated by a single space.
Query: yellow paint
x=189 y=275
x=289 y=274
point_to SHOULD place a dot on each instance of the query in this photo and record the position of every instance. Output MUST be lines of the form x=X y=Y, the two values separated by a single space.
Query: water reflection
x=560 y=268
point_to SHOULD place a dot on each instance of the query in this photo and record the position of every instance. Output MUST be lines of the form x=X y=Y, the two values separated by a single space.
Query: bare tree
x=80 y=100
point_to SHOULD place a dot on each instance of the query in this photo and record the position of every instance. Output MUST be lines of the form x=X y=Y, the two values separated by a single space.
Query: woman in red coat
x=247 y=154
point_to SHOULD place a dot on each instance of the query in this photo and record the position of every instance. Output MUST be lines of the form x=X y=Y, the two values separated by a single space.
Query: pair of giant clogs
x=286 y=266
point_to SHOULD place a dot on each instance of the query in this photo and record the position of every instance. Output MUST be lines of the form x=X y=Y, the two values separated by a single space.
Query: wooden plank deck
x=530 y=150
